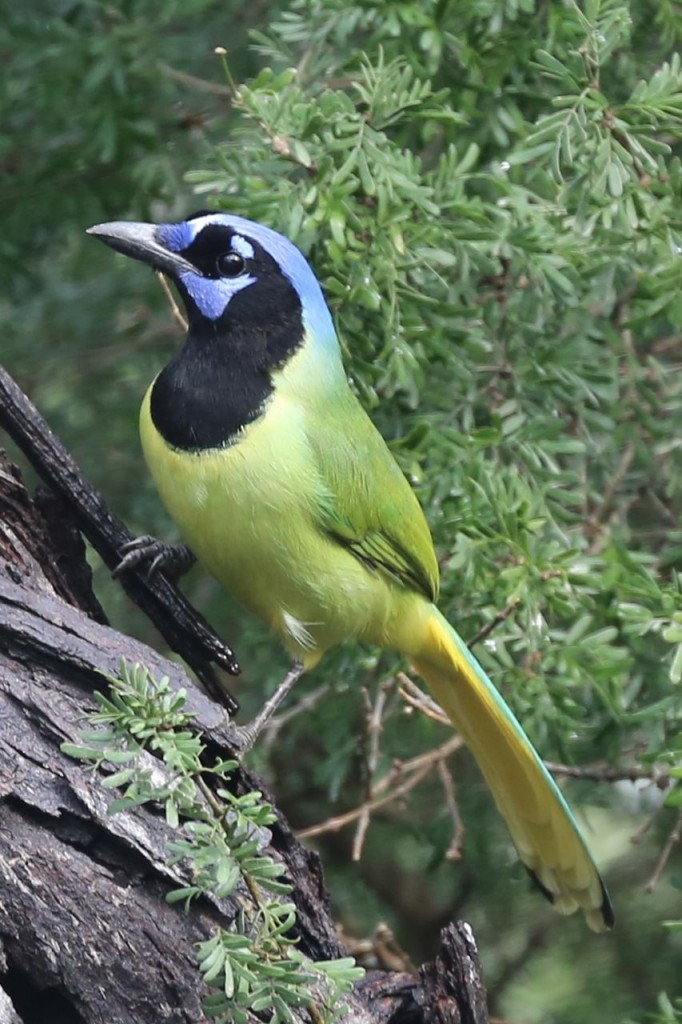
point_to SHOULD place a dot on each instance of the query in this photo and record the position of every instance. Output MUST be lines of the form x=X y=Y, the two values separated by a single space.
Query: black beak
x=141 y=242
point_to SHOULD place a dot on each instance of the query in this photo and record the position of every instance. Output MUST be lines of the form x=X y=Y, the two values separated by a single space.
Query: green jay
x=286 y=492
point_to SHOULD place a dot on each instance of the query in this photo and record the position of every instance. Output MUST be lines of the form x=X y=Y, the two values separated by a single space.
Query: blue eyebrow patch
x=212 y=297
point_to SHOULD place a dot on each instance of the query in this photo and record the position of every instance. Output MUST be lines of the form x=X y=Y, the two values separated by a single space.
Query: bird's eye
x=230 y=264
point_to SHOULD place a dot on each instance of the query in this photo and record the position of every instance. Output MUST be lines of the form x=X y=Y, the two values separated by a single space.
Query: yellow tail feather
x=541 y=825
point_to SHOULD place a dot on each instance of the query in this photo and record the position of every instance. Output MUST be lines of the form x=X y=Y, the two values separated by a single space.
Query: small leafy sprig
x=145 y=733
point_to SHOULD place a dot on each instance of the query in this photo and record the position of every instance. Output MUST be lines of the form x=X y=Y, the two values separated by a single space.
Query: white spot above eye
x=243 y=247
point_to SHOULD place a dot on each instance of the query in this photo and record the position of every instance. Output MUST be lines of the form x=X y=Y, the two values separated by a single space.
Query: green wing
x=368 y=505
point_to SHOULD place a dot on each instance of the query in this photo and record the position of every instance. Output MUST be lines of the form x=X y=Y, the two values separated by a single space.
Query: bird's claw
x=172 y=559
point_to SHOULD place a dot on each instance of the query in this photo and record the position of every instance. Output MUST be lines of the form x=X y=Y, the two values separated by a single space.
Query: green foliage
x=668 y=1012
x=489 y=191
x=116 y=56
x=514 y=302
x=254 y=965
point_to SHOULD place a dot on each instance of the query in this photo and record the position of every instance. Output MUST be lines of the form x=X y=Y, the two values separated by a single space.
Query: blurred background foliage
x=489 y=191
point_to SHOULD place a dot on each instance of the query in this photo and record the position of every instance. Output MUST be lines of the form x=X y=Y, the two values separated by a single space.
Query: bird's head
x=229 y=271
x=257 y=318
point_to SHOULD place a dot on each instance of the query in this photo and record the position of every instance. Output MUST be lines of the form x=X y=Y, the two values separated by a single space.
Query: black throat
x=222 y=379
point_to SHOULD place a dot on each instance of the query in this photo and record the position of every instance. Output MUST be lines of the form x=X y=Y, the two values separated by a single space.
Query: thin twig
x=608 y=504
x=361 y=831
x=670 y=517
x=341 y=820
x=220 y=812
x=656 y=775
x=417 y=767
x=373 y=726
x=192 y=82
x=389 y=953
x=659 y=777
x=671 y=343
x=646 y=827
x=175 y=309
x=419 y=700
x=363 y=820
x=497 y=619
x=454 y=850
x=673 y=839
x=277 y=722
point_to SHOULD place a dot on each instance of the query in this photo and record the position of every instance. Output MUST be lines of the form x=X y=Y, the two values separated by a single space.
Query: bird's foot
x=248 y=734
x=172 y=559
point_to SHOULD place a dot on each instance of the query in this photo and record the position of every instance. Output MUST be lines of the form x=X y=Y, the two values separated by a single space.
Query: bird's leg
x=173 y=559
x=249 y=733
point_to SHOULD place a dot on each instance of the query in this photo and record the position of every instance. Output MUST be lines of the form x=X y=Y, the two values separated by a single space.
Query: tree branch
x=185 y=631
x=403 y=776
x=673 y=839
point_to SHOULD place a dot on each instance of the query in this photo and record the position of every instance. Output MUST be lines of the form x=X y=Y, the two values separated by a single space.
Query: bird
x=284 y=489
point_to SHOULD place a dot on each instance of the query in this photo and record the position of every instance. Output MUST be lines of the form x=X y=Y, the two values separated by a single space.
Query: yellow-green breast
x=252 y=512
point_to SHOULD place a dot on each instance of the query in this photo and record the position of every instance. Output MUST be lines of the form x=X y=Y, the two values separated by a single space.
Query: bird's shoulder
x=368 y=505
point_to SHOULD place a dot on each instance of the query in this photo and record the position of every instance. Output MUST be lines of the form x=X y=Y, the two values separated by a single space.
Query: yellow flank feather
x=538 y=819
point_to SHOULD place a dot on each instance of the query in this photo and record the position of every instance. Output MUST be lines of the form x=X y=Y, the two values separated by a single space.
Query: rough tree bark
x=86 y=935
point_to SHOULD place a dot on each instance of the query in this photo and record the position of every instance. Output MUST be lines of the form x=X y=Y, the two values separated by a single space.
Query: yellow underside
x=266 y=547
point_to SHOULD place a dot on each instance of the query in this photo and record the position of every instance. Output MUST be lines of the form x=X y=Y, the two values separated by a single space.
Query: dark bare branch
x=181 y=626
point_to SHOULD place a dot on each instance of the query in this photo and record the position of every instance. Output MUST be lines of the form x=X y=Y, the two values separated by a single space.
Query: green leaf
x=676 y=665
